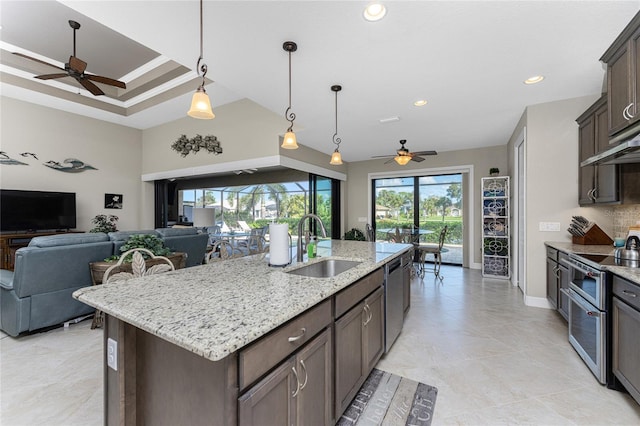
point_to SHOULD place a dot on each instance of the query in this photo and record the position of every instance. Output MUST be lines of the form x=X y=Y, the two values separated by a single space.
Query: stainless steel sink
x=325 y=268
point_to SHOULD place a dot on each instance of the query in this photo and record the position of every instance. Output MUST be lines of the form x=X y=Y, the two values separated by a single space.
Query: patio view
x=424 y=203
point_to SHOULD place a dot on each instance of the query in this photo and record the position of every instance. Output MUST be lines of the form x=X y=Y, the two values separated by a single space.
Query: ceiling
x=467 y=59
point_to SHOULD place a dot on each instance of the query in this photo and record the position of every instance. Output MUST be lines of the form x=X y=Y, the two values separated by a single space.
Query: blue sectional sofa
x=37 y=293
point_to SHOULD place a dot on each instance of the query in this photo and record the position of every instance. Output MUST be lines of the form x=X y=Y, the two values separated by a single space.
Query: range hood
x=626 y=152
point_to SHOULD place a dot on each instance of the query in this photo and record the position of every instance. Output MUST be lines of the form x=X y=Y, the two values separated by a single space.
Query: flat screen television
x=37 y=210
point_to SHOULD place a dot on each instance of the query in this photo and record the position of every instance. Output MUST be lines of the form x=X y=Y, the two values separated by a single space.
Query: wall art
x=208 y=143
x=8 y=161
x=112 y=201
x=70 y=165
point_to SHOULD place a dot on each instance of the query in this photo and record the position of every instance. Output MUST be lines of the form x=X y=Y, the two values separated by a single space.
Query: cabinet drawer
x=266 y=353
x=627 y=291
x=552 y=253
x=353 y=294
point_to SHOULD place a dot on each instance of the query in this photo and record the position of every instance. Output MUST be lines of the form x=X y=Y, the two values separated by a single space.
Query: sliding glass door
x=425 y=203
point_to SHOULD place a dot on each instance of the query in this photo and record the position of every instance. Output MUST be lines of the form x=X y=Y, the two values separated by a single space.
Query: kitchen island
x=189 y=345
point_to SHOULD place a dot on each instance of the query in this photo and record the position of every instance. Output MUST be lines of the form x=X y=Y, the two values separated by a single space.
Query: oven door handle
x=575 y=265
x=584 y=305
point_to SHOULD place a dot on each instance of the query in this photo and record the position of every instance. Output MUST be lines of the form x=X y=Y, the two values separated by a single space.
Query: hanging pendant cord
x=336 y=139
x=201 y=68
x=290 y=116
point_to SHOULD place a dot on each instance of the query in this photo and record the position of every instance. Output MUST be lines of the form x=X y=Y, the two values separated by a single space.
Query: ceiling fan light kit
x=200 y=103
x=75 y=68
x=402 y=159
x=403 y=156
x=336 y=157
x=289 y=141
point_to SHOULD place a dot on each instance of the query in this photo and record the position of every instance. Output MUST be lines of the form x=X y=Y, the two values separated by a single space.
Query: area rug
x=387 y=399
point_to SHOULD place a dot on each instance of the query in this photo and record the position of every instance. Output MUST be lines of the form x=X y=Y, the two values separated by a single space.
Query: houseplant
x=355 y=234
x=150 y=242
x=104 y=223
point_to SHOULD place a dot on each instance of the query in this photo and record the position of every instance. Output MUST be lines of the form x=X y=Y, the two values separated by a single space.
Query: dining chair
x=139 y=267
x=432 y=249
x=222 y=250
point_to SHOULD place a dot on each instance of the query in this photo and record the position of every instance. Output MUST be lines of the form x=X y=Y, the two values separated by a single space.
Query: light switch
x=549 y=226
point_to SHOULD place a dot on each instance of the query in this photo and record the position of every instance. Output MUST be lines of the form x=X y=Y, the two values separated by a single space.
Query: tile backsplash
x=623 y=217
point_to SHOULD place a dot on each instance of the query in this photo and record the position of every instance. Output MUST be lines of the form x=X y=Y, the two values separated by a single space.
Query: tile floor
x=494 y=361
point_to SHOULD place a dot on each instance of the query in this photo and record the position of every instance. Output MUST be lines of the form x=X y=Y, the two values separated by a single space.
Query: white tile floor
x=494 y=361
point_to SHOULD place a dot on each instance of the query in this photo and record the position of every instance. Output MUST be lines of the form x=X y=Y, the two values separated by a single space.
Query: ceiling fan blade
x=38 y=60
x=416 y=158
x=425 y=153
x=389 y=161
x=77 y=65
x=51 y=76
x=106 y=80
x=90 y=86
x=383 y=156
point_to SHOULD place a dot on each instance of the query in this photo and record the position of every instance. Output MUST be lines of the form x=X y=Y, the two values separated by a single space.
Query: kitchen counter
x=632 y=274
x=215 y=309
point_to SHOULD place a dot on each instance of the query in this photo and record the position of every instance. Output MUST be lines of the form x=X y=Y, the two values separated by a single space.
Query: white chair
x=243 y=225
x=139 y=267
x=436 y=250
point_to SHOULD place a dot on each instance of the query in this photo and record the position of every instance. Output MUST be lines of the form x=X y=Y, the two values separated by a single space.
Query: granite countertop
x=215 y=309
x=631 y=274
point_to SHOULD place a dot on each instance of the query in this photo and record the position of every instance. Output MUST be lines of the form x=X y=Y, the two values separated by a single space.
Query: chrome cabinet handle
x=556 y=272
x=299 y=336
x=306 y=376
x=367 y=311
x=627 y=112
x=295 y=374
x=593 y=194
x=629 y=293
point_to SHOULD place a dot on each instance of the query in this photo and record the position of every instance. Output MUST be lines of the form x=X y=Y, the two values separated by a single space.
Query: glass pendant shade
x=336 y=158
x=402 y=159
x=201 y=106
x=289 y=141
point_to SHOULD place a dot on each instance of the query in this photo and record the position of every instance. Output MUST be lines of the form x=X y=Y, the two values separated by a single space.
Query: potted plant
x=104 y=223
x=355 y=234
x=150 y=242
x=494 y=171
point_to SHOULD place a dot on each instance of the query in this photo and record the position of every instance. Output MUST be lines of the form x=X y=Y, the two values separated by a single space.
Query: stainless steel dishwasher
x=393 y=302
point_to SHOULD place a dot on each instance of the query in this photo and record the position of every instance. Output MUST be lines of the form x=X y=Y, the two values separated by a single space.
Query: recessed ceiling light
x=533 y=80
x=420 y=103
x=374 y=12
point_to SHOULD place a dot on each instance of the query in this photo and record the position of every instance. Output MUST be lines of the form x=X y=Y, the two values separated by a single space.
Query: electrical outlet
x=549 y=226
x=362 y=219
x=112 y=354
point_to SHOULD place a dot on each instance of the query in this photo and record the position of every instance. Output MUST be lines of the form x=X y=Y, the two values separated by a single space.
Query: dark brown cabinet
x=598 y=184
x=557 y=281
x=625 y=327
x=297 y=392
x=623 y=78
x=359 y=344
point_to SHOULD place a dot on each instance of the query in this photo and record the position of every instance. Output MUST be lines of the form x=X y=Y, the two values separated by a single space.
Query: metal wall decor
x=70 y=165
x=8 y=161
x=208 y=143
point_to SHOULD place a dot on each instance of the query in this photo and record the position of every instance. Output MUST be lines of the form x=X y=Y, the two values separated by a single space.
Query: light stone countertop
x=215 y=309
x=631 y=274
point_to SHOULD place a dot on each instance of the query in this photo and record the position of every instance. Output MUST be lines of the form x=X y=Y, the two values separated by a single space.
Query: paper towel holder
x=290 y=254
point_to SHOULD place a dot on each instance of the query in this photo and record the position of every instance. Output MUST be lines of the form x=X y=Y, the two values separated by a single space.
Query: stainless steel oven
x=587 y=315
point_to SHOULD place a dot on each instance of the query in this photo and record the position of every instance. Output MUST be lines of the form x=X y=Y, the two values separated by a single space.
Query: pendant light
x=336 y=158
x=289 y=141
x=200 y=104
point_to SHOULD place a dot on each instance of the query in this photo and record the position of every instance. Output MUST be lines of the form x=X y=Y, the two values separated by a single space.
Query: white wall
x=116 y=151
x=551 y=183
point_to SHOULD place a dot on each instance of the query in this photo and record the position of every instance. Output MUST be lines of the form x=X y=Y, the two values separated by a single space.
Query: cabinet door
x=606 y=176
x=563 y=298
x=552 y=282
x=619 y=88
x=314 y=400
x=373 y=330
x=349 y=357
x=626 y=346
x=270 y=402
x=586 y=147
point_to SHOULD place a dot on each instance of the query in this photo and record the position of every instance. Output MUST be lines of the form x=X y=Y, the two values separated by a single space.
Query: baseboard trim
x=537 y=302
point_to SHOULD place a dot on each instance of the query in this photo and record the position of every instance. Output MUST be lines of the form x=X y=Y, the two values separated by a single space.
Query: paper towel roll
x=279 y=252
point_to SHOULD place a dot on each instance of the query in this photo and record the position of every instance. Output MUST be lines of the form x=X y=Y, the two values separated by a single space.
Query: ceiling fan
x=403 y=156
x=75 y=68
